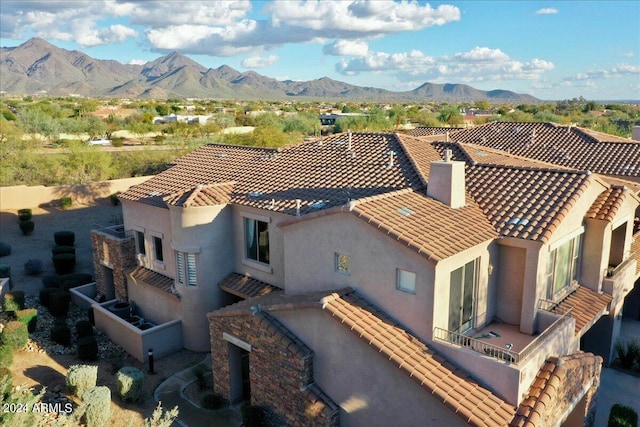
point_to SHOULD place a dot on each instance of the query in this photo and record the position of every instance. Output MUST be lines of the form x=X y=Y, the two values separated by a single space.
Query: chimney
x=447 y=182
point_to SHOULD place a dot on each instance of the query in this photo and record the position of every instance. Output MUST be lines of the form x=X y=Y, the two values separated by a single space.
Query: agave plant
x=627 y=352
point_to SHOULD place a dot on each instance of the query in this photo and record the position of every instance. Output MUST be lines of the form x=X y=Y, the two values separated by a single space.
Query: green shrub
x=117 y=142
x=59 y=303
x=60 y=333
x=114 y=199
x=69 y=284
x=627 y=351
x=5 y=249
x=6 y=356
x=87 y=348
x=65 y=202
x=33 y=267
x=28 y=316
x=27 y=227
x=64 y=263
x=97 y=406
x=45 y=296
x=130 y=384
x=24 y=214
x=64 y=238
x=199 y=372
x=161 y=418
x=84 y=328
x=81 y=278
x=622 y=416
x=6 y=384
x=213 y=401
x=63 y=250
x=15 y=334
x=81 y=378
x=5 y=271
x=253 y=416
x=52 y=280
x=13 y=301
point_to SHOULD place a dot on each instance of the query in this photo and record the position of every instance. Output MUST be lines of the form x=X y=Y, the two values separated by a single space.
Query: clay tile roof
x=431 y=130
x=201 y=195
x=420 y=155
x=568 y=146
x=144 y=275
x=607 y=204
x=524 y=202
x=322 y=174
x=470 y=401
x=319 y=402
x=245 y=286
x=635 y=252
x=424 y=224
x=586 y=307
x=539 y=409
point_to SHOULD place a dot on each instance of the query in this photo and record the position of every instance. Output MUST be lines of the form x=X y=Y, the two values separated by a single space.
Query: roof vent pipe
x=391 y=154
x=298 y=202
x=447 y=155
x=349 y=146
x=447 y=133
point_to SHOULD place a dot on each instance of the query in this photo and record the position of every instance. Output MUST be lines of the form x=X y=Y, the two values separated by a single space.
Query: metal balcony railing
x=499 y=353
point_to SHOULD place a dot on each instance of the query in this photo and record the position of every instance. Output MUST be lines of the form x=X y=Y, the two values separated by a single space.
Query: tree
x=450 y=115
x=35 y=121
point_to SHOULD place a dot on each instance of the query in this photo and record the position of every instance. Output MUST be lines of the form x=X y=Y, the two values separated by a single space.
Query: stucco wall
x=153 y=221
x=369 y=390
x=511 y=270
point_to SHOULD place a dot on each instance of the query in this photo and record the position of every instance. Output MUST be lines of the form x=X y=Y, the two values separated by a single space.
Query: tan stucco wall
x=152 y=219
x=511 y=268
x=368 y=388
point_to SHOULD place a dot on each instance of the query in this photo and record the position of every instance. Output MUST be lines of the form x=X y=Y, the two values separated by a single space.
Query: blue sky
x=550 y=49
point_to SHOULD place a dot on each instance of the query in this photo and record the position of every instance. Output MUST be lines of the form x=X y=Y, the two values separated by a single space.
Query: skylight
x=405 y=211
x=255 y=194
x=318 y=205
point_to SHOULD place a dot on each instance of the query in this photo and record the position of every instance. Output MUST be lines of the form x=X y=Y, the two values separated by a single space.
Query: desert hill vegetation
x=43 y=140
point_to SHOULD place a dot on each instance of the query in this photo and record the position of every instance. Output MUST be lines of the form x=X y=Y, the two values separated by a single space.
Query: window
x=157 y=249
x=406 y=281
x=186 y=268
x=140 y=243
x=343 y=263
x=256 y=235
x=563 y=266
x=461 y=293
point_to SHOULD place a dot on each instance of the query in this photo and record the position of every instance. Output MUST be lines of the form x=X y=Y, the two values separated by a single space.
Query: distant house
x=382 y=279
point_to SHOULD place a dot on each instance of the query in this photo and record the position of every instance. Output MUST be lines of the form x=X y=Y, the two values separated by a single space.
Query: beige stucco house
x=382 y=279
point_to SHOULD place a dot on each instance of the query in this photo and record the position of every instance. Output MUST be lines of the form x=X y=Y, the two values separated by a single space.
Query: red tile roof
x=424 y=224
x=201 y=195
x=607 y=204
x=245 y=286
x=431 y=130
x=453 y=386
x=561 y=145
x=585 y=305
x=151 y=278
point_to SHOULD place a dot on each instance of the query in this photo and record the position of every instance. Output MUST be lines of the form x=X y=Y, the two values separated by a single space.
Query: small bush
x=161 y=418
x=27 y=227
x=5 y=270
x=28 y=316
x=81 y=278
x=45 y=296
x=52 y=281
x=81 y=378
x=213 y=401
x=87 y=348
x=15 y=334
x=64 y=238
x=65 y=202
x=61 y=334
x=199 y=372
x=59 y=303
x=114 y=199
x=64 y=263
x=69 y=284
x=253 y=416
x=24 y=214
x=6 y=356
x=33 y=267
x=13 y=301
x=5 y=249
x=622 y=416
x=117 y=142
x=6 y=384
x=84 y=328
x=627 y=351
x=97 y=406
x=130 y=384
x=63 y=250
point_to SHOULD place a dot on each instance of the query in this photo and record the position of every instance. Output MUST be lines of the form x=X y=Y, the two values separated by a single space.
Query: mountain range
x=37 y=66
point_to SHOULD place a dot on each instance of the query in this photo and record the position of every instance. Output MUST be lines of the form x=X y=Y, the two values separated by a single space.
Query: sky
x=550 y=49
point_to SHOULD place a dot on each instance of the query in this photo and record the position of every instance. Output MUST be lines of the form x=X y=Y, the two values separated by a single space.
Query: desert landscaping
x=42 y=362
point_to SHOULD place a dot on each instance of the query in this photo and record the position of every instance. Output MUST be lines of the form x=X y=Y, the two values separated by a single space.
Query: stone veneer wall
x=117 y=254
x=281 y=369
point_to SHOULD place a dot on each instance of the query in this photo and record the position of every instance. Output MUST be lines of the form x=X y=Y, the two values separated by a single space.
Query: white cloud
x=86 y=35
x=478 y=64
x=346 y=48
x=259 y=61
x=617 y=71
x=137 y=62
x=547 y=11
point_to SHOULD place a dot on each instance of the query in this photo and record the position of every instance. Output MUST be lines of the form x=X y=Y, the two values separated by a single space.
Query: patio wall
x=82 y=296
x=164 y=339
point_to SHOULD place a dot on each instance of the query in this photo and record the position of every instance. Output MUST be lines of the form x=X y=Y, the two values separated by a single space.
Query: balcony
x=116 y=231
x=618 y=280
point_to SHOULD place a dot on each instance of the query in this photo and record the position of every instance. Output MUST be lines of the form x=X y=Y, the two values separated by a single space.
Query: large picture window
x=256 y=236
x=563 y=266
x=461 y=294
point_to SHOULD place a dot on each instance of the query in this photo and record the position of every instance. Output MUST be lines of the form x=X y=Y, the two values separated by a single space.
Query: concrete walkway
x=171 y=393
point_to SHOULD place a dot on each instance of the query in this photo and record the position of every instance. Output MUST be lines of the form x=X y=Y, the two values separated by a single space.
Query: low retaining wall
x=164 y=339
x=22 y=196
x=82 y=296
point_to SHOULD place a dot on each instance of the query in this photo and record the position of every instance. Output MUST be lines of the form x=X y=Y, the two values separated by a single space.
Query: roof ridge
x=534 y=168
